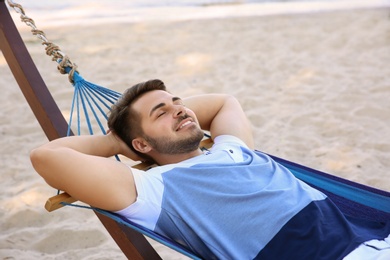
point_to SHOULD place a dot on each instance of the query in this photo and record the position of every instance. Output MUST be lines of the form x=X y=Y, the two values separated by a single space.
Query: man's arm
x=80 y=166
x=221 y=115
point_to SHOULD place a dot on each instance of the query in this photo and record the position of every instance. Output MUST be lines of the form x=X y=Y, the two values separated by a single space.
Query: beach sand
x=316 y=87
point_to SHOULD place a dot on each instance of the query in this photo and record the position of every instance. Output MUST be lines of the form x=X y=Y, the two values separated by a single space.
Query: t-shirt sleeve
x=229 y=139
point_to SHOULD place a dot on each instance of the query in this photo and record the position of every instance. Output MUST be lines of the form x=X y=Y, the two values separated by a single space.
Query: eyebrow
x=161 y=105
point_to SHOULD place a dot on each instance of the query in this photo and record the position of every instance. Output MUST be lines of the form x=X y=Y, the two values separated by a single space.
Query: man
x=226 y=203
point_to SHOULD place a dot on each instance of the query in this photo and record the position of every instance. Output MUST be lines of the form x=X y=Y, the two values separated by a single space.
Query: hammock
x=352 y=198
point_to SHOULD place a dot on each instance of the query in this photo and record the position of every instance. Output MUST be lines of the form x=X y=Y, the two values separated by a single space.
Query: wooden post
x=133 y=244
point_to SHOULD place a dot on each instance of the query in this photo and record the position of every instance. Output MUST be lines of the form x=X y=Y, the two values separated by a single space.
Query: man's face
x=169 y=127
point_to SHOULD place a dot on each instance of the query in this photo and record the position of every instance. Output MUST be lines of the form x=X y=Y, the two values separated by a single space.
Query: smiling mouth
x=183 y=125
x=187 y=122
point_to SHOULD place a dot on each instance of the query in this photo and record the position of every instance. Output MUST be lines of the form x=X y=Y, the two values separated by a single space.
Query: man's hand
x=123 y=148
x=221 y=115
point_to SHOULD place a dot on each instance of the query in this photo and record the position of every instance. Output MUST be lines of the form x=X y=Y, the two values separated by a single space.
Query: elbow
x=37 y=160
x=40 y=159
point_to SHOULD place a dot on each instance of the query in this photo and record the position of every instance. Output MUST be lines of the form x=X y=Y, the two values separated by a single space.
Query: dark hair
x=123 y=120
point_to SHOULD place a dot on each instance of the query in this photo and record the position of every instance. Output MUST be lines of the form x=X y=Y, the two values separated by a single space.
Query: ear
x=141 y=145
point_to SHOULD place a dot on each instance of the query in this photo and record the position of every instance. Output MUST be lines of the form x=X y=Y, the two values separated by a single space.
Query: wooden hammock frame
x=132 y=243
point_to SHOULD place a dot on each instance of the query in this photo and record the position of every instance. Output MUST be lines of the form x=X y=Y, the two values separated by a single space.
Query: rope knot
x=52 y=50
x=66 y=63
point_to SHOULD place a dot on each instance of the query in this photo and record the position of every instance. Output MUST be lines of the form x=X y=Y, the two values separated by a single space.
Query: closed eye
x=160 y=114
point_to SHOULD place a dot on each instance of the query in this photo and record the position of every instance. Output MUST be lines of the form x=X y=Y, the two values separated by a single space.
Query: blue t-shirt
x=234 y=203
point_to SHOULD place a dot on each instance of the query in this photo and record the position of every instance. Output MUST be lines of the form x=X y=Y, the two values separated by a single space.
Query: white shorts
x=371 y=250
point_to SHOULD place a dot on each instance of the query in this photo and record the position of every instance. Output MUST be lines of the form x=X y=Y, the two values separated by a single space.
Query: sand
x=316 y=87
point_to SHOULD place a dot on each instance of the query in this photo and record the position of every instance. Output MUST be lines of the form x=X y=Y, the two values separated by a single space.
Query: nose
x=179 y=110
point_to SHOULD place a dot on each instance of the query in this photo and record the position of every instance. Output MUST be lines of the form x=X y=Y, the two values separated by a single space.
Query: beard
x=169 y=146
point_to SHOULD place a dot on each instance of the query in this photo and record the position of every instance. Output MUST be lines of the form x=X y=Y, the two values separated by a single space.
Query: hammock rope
x=51 y=49
x=90 y=99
